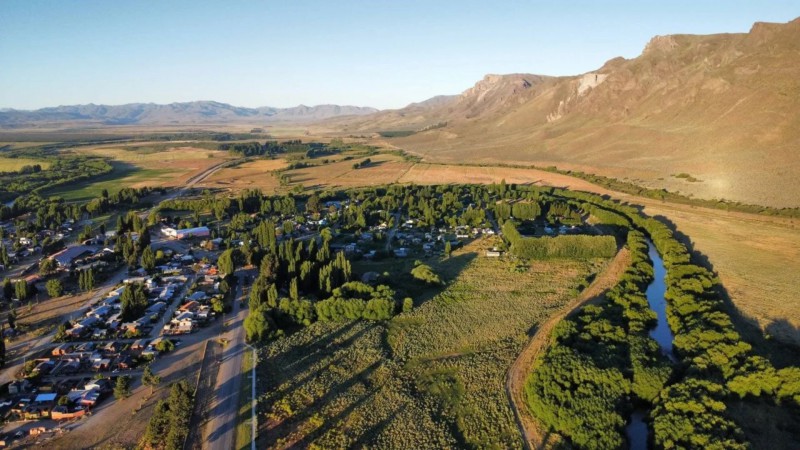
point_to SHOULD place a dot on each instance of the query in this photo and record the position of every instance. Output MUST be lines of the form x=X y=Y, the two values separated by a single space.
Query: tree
x=226 y=262
x=12 y=318
x=21 y=289
x=54 y=288
x=4 y=256
x=63 y=400
x=217 y=305
x=424 y=272
x=133 y=301
x=165 y=346
x=148 y=259
x=8 y=289
x=61 y=332
x=47 y=266
x=256 y=325
x=447 y=248
x=408 y=304
x=122 y=389
x=150 y=379
x=86 y=279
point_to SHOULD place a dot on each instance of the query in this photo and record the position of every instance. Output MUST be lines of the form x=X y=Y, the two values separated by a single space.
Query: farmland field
x=384 y=169
x=250 y=175
x=431 y=378
x=143 y=166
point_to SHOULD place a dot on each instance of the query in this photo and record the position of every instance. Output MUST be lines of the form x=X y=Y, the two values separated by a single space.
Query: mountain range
x=199 y=112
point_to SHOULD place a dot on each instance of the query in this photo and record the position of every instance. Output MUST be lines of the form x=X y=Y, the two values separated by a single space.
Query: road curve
x=534 y=437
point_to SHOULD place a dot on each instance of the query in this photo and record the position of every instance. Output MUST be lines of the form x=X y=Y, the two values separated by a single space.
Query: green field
x=432 y=378
x=124 y=175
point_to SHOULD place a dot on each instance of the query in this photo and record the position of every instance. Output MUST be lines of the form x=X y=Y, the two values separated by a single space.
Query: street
x=220 y=430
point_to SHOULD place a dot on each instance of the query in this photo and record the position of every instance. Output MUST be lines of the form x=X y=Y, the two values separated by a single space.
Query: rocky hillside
x=716 y=116
x=173 y=113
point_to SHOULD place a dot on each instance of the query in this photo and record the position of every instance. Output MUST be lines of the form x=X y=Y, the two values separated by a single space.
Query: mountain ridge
x=202 y=111
x=723 y=108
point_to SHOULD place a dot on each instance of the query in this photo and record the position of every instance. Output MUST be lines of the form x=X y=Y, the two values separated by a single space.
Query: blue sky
x=283 y=53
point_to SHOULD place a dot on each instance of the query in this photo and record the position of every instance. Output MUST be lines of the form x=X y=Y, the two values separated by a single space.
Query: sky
x=377 y=53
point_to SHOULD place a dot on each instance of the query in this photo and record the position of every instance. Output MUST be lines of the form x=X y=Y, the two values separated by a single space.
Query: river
x=636 y=430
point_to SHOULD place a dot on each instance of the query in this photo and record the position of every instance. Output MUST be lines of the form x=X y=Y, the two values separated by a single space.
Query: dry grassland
x=14 y=164
x=251 y=175
x=384 y=169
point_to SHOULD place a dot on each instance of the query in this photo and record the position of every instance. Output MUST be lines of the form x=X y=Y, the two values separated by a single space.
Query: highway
x=220 y=430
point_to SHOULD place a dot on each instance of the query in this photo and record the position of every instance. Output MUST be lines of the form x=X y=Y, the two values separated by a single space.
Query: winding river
x=636 y=430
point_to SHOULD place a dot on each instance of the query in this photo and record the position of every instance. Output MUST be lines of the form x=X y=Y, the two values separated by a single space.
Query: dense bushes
x=572 y=247
x=356 y=300
x=600 y=359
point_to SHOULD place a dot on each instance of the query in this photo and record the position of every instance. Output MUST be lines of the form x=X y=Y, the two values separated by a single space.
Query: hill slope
x=173 y=113
x=724 y=109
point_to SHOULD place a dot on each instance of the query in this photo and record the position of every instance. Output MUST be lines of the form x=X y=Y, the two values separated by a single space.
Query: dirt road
x=533 y=435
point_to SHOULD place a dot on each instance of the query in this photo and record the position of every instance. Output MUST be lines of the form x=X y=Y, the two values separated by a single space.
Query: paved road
x=220 y=431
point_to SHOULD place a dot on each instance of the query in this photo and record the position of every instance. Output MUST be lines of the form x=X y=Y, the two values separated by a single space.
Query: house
x=189 y=306
x=44 y=367
x=45 y=399
x=19 y=387
x=63 y=349
x=180 y=325
x=63 y=412
x=203 y=313
x=370 y=277
x=125 y=363
x=112 y=347
x=103 y=364
x=77 y=331
x=186 y=233
x=139 y=344
x=156 y=308
x=66 y=257
x=99 y=333
x=101 y=385
x=198 y=296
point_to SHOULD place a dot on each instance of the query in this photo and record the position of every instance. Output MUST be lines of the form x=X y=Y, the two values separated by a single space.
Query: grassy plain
x=14 y=164
x=432 y=378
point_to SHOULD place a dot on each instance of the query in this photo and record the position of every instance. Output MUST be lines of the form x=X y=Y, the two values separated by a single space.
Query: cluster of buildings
x=196 y=307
